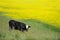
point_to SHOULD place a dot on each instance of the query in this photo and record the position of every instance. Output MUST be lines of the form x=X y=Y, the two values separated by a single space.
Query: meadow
x=38 y=31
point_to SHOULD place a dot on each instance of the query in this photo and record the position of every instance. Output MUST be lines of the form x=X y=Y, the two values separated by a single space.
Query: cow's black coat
x=18 y=25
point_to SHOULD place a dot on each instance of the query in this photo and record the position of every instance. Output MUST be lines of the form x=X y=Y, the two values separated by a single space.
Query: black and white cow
x=18 y=25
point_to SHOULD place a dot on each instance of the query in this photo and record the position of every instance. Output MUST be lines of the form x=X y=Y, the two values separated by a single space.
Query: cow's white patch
x=26 y=26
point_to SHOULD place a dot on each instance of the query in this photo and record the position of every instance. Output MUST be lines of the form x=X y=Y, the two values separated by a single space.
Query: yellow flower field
x=47 y=11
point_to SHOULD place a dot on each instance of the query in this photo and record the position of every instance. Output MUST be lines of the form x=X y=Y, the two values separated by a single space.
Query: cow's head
x=27 y=27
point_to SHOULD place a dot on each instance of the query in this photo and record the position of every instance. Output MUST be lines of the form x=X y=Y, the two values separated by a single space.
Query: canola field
x=47 y=11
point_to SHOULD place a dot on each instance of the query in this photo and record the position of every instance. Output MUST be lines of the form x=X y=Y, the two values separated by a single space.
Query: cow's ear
x=29 y=26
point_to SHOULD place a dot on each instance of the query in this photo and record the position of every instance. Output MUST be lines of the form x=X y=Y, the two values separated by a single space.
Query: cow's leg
x=10 y=27
x=22 y=30
x=26 y=29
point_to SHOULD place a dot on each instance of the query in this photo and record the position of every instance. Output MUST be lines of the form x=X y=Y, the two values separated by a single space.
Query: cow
x=18 y=25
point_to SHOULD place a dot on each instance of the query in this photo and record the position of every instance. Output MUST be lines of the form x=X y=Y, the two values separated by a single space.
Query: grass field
x=38 y=31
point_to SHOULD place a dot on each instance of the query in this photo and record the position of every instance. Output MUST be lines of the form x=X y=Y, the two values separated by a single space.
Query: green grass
x=38 y=31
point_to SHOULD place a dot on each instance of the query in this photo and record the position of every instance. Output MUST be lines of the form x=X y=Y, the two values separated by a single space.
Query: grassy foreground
x=38 y=31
